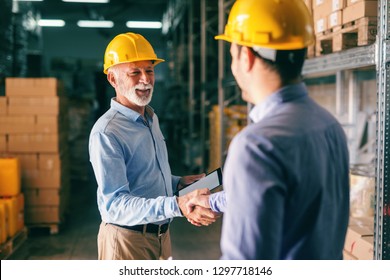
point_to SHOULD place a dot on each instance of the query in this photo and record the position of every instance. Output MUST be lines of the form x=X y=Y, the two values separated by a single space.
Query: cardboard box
x=348 y=257
x=41 y=179
x=364 y=248
x=32 y=87
x=3 y=105
x=49 y=162
x=42 y=197
x=362 y=196
x=359 y=242
x=34 y=105
x=321 y=8
x=320 y=25
x=360 y=10
x=28 y=143
x=362 y=221
x=3 y=143
x=338 y=5
x=335 y=19
x=27 y=161
x=42 y=215
x=351 y=2
x=20 y=222
x=17 y=124
x=47 y=124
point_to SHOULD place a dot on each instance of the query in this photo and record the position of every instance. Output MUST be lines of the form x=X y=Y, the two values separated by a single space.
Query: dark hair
x=288 y=63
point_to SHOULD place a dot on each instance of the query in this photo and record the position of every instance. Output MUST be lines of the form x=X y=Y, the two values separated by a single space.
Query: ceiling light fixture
x=87 y=1
x=95 y=23
x=51 y=22
x=144 y=24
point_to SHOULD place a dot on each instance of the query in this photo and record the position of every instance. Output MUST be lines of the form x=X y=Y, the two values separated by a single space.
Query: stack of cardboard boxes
x=360 y=235
x=235 y=119
x=343 y=24
x=34 y=129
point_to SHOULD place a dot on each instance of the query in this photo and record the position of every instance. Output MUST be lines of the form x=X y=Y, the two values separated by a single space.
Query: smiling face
x=134 y=82
x=137 y=81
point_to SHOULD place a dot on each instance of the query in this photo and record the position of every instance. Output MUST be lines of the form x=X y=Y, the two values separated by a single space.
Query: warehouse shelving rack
x=345 y=64
x=191 y=26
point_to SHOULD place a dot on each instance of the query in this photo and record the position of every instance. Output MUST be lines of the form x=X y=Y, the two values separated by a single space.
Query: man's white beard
x=132 y=96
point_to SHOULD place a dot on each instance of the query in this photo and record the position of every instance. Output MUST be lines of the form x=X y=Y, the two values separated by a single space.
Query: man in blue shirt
x=286 y=176
x=130 y=161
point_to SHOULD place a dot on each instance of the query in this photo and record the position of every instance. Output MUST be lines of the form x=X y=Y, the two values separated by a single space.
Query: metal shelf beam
x=345 y=60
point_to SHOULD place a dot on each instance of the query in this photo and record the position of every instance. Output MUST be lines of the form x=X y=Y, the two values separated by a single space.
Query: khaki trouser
x=116 y=243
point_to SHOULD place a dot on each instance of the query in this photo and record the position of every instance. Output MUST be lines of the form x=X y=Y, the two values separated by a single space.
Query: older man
x=130 y=161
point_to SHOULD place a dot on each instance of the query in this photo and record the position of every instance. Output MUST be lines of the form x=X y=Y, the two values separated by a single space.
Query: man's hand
x=199 y=200
x=186 y=180
x=197 y=215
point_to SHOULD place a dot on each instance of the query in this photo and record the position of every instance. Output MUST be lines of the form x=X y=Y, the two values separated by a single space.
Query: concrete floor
x=76 y=239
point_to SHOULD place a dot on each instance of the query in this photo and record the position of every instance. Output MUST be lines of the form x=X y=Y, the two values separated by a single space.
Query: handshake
x=195 y=206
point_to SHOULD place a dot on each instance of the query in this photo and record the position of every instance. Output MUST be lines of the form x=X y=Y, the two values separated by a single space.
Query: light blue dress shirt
x=130 y=162
x=286 y=182
x=217 y=202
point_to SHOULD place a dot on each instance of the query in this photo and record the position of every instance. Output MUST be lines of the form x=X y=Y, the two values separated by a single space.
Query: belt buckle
x=159 y=231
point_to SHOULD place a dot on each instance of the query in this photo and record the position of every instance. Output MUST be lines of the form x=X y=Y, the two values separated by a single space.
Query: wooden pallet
x=50 y=228
x=360 y=32
x=12 y=244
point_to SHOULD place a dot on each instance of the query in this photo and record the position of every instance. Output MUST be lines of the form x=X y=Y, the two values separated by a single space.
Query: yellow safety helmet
x=128 y=47
x=271 y=24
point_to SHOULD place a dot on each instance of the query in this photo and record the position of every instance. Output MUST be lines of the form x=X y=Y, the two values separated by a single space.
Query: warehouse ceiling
x=118 y=11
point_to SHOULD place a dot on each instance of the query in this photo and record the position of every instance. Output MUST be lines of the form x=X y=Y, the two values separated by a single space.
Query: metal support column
x=221 y=77
x=340 y=100
x=382 y=190
x=203 y=77
x=191 y=80
x=353 y=103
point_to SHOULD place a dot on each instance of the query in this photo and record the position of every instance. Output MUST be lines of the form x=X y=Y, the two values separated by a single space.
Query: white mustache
x=143 y=87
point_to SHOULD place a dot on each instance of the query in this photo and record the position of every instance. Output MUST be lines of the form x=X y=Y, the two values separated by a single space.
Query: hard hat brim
x=155 y=62
x=223 y=37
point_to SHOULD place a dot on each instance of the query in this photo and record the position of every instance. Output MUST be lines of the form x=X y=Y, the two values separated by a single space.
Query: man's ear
x=111 y=79
x=248 y=58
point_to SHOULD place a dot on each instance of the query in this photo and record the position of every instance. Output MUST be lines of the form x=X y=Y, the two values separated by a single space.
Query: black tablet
x=210 y=181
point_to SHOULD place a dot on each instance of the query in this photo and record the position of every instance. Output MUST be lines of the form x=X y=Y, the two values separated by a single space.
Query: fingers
x=197 y=198
x=194 y=223
x=202 y=216
x=189 y=206
x=195 y=207
x=202 y=191
x=186 y=180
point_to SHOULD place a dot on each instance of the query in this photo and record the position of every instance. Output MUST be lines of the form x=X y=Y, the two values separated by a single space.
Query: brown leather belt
x=150 y=228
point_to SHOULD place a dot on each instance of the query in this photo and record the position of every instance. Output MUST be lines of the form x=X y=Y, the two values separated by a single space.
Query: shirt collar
x=129 y=113
x=284 y=94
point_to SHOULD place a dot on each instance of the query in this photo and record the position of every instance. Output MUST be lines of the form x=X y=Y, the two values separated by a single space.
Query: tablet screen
x=210 y=181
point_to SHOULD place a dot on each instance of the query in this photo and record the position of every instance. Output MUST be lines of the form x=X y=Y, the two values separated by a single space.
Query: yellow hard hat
x=128 y=47
x=272 y=24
